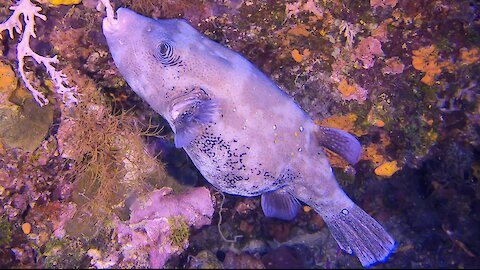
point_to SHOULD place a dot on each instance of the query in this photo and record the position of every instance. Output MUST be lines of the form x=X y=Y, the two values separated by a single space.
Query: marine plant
x=179 y=230
x=110 y=162
x=5 y=232
x=63 y=253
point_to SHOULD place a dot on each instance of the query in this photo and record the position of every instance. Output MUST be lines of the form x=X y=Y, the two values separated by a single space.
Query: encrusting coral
x=352 y=91
x=64 y=2
x=366 y=51
x=158 y=226
x=426 y=59
x=387 y=169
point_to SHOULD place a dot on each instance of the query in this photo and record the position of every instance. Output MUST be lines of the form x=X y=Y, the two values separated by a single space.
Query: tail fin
x=358 y=233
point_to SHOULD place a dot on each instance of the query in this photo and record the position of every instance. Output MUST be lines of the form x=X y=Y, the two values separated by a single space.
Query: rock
x=205 y=259
x=282 y=258
x=242 y=261
x=159 y=226
x=26 y=127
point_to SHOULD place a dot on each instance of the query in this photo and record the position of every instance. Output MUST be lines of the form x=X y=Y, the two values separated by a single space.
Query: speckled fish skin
x=243 y=133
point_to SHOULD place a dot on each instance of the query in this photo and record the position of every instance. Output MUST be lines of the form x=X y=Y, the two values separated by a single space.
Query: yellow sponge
x=64 y=2
x=387 y=169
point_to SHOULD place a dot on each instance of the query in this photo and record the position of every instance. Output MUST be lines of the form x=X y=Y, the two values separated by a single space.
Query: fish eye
x=165 y=49
x=165 y=54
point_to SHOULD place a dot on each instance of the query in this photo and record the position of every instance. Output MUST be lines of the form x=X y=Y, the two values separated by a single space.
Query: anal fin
x=280 y=204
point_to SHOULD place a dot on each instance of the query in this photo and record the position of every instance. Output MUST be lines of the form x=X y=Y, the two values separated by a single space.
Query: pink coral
x=146 y=237
x=366 y=51
x=311 y=6
x=393 y=66
x=293 y=9
x=381 y=31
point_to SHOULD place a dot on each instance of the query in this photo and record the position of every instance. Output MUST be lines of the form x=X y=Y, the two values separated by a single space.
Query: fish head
x=149 y=52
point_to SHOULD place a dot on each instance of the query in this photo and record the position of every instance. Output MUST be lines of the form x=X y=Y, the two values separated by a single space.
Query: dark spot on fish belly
x=169 y=93
x=285 y=178
x=230 y=180
x=288 y=176
x=225 y=162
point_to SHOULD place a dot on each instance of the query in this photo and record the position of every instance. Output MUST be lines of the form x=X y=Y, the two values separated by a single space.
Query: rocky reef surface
x=401 y=75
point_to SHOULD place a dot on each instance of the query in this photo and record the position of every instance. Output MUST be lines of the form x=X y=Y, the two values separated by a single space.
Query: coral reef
x=393 y=66
x=425 y=59
x=158 y=226
x=402 y=76
x=352 y=92
x=387 y=169
x=383 y=3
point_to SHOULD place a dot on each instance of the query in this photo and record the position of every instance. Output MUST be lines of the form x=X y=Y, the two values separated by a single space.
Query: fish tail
x=357 y=232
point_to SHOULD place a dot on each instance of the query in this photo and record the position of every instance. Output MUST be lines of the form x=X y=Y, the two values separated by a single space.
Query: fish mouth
x=125 y=18
x=111 y=25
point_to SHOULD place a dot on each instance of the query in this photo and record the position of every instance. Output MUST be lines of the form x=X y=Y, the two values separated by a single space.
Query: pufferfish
x=244 y=134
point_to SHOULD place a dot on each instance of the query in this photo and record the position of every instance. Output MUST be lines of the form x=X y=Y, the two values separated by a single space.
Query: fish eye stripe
x=164 y=54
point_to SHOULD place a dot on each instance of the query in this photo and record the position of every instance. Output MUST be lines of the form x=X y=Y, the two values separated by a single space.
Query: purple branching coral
x=59 y=79
x=159 y=224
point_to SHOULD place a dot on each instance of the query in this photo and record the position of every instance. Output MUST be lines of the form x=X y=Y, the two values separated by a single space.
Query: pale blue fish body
x=243 y=133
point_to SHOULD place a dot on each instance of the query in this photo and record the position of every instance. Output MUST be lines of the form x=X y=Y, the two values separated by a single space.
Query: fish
x=245 y=135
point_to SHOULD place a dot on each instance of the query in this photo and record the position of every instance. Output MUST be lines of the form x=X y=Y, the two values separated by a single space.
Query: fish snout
x=110 y=26
x=125 y=18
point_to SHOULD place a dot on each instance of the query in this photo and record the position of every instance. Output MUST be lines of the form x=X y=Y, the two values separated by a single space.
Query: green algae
x=180 y=232
x=5 y=232
x=64 y=254
x=26 y=127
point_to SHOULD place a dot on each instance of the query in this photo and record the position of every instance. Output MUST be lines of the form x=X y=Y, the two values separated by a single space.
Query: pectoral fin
x=185 y=135
x=340 y=142
x=280 y=204
x=190 y=113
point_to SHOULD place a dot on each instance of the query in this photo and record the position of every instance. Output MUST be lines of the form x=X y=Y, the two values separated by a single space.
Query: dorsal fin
x=190 y=113
x=340 y=142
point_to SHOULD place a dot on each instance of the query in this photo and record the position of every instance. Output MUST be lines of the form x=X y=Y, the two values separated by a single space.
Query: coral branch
x=105 y=4
x=29 y=12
